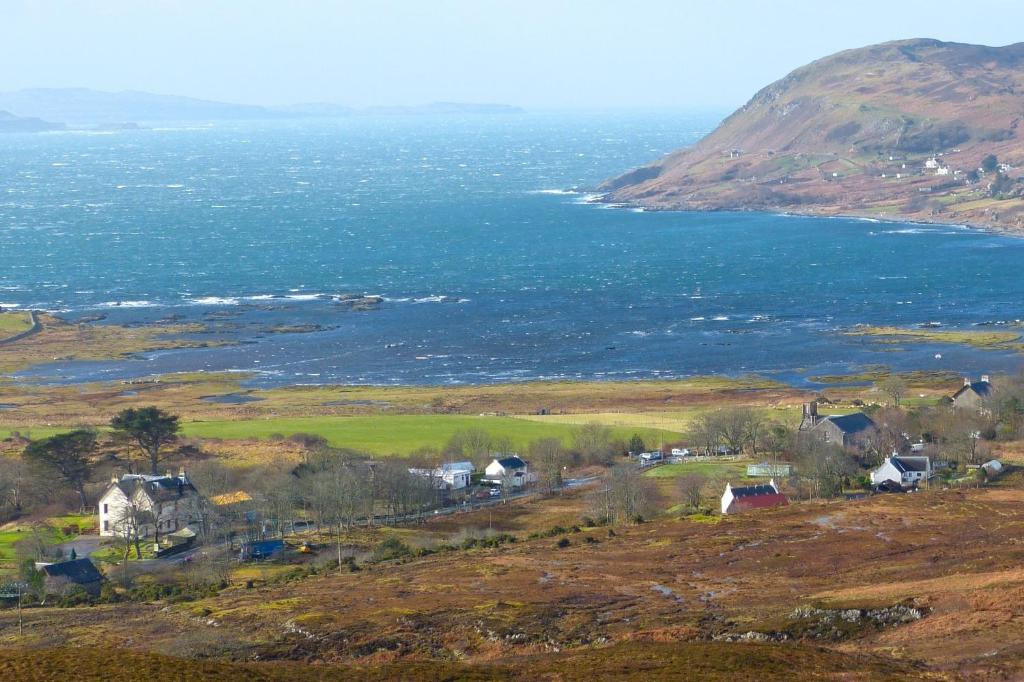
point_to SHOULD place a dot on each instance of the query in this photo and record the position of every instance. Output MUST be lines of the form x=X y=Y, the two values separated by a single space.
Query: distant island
x=915 y=129
x=9 y=123
x=83 y=107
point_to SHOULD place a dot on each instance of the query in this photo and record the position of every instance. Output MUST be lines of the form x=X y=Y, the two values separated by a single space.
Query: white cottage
x=511 y=468
x=907 y=470
x=172 y=503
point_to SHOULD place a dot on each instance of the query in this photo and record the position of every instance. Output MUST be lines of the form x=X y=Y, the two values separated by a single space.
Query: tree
x=626 y=495
x=128 y=523
x=990 y=163
x=636 y=445
x=824 y=465
x=471 y=444
x=894 y=387
x=547 y=457
x=67 y=455
x=151 y=428
x=593 y=443
x=691 y=489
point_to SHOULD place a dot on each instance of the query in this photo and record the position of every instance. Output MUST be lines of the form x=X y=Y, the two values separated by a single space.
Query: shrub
x=563 y=543
x=391 y=548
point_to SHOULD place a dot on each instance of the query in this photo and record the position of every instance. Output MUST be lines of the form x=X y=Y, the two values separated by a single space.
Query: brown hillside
x=851 y=134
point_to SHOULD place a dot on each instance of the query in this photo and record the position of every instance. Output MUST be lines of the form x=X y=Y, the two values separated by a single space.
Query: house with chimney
x=737 y=500
x=973 y=395
x=852 y=430
x=162 y=505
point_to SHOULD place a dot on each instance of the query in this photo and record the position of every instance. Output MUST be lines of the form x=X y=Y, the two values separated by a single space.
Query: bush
x=391 y=548
x=563 y=543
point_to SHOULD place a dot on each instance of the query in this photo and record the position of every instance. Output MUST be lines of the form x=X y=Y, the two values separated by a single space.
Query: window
x=106 y=525
x=106 y=509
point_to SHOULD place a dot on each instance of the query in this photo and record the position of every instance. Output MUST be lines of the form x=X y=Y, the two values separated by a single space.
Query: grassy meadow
x=399 y=434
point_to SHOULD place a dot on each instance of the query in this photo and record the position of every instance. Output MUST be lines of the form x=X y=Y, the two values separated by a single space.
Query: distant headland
x=919 y=129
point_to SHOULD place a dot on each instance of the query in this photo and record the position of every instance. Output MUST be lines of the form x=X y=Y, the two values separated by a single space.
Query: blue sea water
x=478 y=232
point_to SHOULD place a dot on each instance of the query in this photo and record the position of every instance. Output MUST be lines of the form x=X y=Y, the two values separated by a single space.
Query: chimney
x=984 y=378
x=181 y=472
x=967 y=381
x=113 y=477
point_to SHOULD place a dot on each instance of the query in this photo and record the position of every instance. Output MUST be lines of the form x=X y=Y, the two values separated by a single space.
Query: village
x=147 y=533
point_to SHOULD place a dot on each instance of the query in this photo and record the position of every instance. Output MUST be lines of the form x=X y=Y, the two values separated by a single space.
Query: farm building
x=769 y=469
x=451 y=475
x=60 y=578
x=736 y=500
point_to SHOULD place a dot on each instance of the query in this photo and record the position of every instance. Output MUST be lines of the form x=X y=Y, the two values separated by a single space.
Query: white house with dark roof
x=512 y=468
x=906 y=470
x=171 y=501
x=735 y=500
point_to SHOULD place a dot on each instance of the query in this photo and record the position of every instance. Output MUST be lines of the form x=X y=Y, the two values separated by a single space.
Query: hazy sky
x=537 y=54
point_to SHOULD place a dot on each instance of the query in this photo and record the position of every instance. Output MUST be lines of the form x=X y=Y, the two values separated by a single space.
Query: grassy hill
x=851 y=133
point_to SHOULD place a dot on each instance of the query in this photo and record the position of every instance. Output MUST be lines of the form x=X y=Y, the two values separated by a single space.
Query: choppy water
x=491 y=271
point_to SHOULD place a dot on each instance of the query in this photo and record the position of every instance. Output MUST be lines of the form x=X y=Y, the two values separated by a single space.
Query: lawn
x=733 y=469
x=14 y=323
x=399 y=434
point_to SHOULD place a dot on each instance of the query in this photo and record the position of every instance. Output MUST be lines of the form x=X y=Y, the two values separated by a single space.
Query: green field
x=14 y=323
x=735 y=470
x=399 y=434
x=50 y=532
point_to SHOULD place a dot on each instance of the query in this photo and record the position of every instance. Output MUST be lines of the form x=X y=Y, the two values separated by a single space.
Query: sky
x=548 y=54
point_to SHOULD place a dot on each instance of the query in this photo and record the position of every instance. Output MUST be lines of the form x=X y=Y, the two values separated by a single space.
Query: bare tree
x=593 y=443
x=691 y=489
x=625 y=496
x=824 y=465
x=547 y=457
x=894 y=387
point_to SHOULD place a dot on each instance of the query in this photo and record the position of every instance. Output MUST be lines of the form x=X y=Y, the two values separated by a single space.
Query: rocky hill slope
x=904 y=129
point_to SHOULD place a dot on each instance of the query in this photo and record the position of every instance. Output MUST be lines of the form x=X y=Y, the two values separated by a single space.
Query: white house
x=511 y=468
x=931 y=163
x=907 y=470
x=942 y=170
x=451 y=475
x=736 y=500
x=172 y=503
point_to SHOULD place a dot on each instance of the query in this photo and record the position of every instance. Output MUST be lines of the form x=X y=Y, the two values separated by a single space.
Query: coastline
x=992 y=228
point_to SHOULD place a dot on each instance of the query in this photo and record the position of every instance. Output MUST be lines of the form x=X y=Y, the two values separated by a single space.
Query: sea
x=483 y=237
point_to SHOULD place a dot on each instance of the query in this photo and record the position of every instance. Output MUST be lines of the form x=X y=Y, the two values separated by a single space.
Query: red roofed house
x=736 y=500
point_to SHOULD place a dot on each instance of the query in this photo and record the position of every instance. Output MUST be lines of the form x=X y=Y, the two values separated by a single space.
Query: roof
x=79 y=571
x=231 y=498
x=982 y=388
x=905 y=464
x=754 y=491
x=513 y=462
x=455 y=467
x=851 y=423
x=159 y=488
x=759 y=502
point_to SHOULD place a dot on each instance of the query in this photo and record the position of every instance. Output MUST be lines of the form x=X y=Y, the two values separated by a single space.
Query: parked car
x=680 y=452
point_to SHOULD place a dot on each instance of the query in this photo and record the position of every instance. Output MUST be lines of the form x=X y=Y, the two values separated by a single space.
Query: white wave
x=430 y=299
x=720 y=318
x=556 y=192
x=127 y=304
x=10 y=305
x=696 y=319
x=214 y=300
